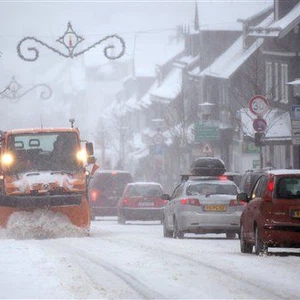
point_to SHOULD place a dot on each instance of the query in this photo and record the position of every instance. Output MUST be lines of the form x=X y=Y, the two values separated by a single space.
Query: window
x=288 y=187
x=268 y=79
x=259 y=188
x=276 y=82
x=284 y=80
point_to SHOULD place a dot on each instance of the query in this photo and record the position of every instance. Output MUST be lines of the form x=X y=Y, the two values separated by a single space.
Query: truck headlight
x=7 y=159
x=81 y=156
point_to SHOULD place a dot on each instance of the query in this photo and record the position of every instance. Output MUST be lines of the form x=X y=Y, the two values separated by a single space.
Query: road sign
x=158 y=139
x=207 y=149
x=206 y=133
x=259 y=105
x=295 y=112
x=259 y=124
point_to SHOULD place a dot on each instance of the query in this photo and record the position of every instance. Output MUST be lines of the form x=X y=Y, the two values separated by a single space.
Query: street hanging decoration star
x=70 y=40
x=14 y=91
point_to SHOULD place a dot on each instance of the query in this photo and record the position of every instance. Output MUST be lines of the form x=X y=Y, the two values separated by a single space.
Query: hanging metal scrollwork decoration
x=70 y=39
x=14 y=93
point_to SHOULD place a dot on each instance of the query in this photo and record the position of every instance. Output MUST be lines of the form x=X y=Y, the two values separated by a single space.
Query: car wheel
x=178 y=234
x=230 y=235
x=121 y=219
x=167 y=233
x=260 y=246
x=245 y=247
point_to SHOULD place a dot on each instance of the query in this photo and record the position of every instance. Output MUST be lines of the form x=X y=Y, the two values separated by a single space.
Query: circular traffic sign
x=259 y=105
x=259 y=124
x=158 y=139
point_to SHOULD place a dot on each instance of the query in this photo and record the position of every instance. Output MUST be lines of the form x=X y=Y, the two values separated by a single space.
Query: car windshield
x=211 y=188
x=288 y=187
x=144 y=190
x=55 y=151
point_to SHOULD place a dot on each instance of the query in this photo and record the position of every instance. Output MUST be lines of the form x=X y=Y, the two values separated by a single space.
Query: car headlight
x=7 y=159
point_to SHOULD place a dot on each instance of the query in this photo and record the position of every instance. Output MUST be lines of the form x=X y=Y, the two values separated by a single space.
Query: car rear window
x=145 y=190
x=112 y=180
x=208 y=188
x=288 y=187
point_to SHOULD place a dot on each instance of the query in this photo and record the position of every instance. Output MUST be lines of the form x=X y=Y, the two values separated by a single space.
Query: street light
x=14 y=91
x=70 y=39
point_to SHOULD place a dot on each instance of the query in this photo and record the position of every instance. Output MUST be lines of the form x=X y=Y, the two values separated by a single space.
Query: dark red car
x=141 y=201
x=272 y=215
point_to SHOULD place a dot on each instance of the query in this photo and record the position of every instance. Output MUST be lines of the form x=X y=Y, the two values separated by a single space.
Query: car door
x=170 y=208
x=252 y=210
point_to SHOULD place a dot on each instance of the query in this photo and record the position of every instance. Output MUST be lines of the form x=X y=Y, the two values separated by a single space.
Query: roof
x=231 y=60
x=284 y=171
x=280 y=27
x=170 y=88
x=42 y=130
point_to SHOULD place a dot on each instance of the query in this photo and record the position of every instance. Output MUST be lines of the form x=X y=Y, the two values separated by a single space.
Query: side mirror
x=242 y=197
x=165 y=197
x=91 y=160
x=89 y=147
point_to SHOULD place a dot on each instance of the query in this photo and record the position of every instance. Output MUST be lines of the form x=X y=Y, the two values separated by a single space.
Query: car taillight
x=94 y=195
x=126 y=202
x=223 y=178
x=234 y=202
x=190 y=201
x=270 y=189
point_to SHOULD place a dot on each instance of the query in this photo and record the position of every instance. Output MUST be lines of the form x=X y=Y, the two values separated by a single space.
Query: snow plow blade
x=40 y=201
x=79 y=214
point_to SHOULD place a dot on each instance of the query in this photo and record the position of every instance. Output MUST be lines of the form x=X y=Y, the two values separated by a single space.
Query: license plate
x=145 y=204
x=296 y=214
x=220 y=207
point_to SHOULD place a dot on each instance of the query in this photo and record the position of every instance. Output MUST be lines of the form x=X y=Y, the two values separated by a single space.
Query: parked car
x=202 y=204
x=272 y=215
x=141 y=201
x=105 y=189
x=234 y=176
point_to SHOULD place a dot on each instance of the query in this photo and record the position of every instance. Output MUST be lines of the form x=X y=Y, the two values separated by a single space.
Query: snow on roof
x=280 y=27
x=278 y=124
x=295 y=82
x=226 y=64
x=171 y=86
x=155 y=49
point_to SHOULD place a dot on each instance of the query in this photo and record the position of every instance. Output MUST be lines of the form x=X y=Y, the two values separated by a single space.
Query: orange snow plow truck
x=45 y=168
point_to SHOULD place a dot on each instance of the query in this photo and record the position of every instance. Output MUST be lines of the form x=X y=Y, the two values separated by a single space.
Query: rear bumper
x=281 y=234
x=142 y=214
x=30 y=201
x=209 y=222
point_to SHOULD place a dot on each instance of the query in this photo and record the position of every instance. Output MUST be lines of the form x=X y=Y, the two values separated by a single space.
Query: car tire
x=121 y=219
x=260 y=246
x=178 y=234
x=230 y=235
x=167 y=233
x=245 y=247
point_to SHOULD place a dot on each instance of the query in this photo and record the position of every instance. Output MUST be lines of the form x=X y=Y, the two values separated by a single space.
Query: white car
x=203 y=205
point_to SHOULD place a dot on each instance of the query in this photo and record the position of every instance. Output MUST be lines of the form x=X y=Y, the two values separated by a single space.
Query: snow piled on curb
x=41 y=224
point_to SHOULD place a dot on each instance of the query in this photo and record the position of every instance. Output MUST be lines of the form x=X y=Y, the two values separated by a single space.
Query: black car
x=105 y=189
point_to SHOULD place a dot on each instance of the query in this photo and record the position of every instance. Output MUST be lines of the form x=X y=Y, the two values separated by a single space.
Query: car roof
x=284 y=172
x=143 y=183
x=112 y=172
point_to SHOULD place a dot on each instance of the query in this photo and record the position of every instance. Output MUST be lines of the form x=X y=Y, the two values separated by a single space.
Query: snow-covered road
x=134 y=261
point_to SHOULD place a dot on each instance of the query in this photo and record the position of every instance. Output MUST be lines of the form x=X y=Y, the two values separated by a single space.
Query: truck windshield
x=44 y=152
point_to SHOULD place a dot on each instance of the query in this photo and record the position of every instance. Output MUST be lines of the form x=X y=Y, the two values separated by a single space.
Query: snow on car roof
x=144 y=183
x=284 y=172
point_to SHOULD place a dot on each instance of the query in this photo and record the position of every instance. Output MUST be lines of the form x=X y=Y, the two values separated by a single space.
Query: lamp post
x=14 y=91
x=70 y=40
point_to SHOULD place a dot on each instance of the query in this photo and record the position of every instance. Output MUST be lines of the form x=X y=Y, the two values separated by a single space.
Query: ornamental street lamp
x=14 y=91
x=70 y=40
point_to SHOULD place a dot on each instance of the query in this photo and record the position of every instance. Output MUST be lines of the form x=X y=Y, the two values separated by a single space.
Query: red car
x=141 y=201
x=272 y=215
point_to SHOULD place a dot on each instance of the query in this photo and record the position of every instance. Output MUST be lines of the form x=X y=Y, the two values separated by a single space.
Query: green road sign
x=206 y=133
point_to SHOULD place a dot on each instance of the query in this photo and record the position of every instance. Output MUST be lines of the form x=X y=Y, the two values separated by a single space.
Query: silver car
x=203 y=205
